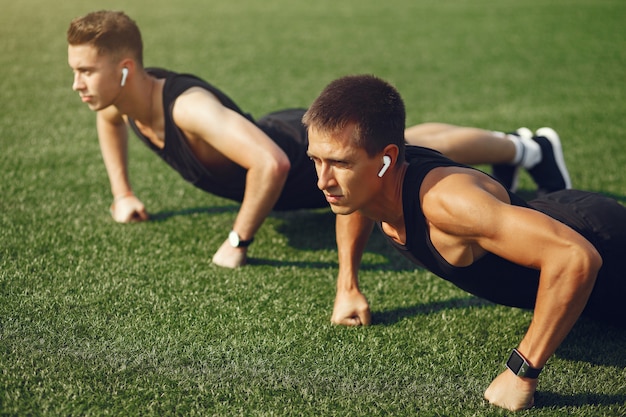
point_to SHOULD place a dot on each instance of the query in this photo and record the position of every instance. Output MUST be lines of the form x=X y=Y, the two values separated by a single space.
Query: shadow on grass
x=298 y=264
x=589 y=341
x=310 y=230
x=546 y=399
x=595 y=342
x=165 y=215
x=393 y=316
x=306 y=230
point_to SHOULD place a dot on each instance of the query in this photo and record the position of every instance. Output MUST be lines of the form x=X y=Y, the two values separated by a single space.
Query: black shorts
x=287 y=131
x=602 y=221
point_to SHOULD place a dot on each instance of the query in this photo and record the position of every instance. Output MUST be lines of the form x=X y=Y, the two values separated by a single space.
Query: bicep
x=479 y=215
x=202 y=117
x=526 y=237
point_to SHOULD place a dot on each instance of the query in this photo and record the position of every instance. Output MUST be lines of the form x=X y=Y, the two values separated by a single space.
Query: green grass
x=98 y=318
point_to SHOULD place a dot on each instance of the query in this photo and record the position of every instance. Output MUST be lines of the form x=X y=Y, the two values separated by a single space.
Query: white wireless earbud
x=124 y=75
x=386 y=163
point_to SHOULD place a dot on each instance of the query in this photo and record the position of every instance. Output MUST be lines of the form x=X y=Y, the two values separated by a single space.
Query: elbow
x=285 y=166
x=571 y=281
x=589 y=262
x=596 y=259
x=270 y=170
x=281 y=167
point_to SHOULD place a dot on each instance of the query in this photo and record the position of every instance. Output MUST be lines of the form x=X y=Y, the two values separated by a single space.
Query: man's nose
x=77 y=83
x=324 y=176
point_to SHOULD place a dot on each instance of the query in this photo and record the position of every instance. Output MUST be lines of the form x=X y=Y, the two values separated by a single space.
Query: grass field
x=98 y=318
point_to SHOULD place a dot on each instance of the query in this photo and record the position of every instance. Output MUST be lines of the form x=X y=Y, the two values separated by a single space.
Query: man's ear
x=392 y=151
x=127 y=66
x=389 y=159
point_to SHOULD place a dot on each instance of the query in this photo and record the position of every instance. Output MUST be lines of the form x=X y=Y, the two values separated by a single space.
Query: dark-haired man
x=561 y=255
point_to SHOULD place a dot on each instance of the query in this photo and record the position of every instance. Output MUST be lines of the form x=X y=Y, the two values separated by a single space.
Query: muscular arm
x=351 y=307
x=113 y=139
x=569 y=267
x=467 y=211
x=202 y=117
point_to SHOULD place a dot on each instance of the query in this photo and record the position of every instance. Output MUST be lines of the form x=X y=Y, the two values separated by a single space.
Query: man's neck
x=387 y=207
x=138 y=101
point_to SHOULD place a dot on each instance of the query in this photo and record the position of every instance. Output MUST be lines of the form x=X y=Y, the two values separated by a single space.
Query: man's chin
x=341 y=210
x=94 y=107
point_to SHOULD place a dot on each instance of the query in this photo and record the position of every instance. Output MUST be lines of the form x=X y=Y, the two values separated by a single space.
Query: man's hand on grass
x=511 y=392
x=128 y=209
x=229 y=257
x=351 y=309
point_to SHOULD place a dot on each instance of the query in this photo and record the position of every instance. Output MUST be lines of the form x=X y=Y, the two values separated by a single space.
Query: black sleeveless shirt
x=284 y=128
x=599 y=219
x=491 y=277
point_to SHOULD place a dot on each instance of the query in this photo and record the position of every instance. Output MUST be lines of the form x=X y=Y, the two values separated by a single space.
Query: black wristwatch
x=236 y=242
x=520 y=366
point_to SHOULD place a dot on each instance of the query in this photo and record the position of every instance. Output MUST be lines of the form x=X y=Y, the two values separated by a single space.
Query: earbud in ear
x=386 y=163
x=124 y=75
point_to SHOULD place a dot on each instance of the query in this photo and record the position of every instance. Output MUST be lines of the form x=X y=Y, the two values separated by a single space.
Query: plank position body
x=262 y=164
x=561 y=254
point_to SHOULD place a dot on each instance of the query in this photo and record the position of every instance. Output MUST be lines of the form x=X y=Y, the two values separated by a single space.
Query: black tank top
x=285 y=128
x=491 y=277
x=600 y=219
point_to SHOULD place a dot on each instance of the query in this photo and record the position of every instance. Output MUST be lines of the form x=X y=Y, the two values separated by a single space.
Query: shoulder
x=461 y=199
x=196 y=103
x=199 y=113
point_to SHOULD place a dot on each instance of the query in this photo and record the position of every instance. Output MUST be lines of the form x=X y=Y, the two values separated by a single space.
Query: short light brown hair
x=371 y=104
x=110 y=32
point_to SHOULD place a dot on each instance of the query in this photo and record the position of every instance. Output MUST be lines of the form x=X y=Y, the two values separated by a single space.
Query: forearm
x=263 y=188
x=113 y=140
x=552 y=321
x=118 y=177
x=561 y=299
x=351 y=307
x=352 y=233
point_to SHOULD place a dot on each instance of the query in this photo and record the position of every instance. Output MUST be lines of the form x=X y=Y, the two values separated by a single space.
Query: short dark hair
x=110 y=32
x=370 y=103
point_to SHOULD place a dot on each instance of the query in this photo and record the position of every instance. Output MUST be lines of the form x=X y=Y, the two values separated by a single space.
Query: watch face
x=515 y=363
x=236 y=242
x=233 y=238
x=520 y=366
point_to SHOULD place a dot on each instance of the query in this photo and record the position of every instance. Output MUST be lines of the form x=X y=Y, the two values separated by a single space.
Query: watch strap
x=245 y=243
